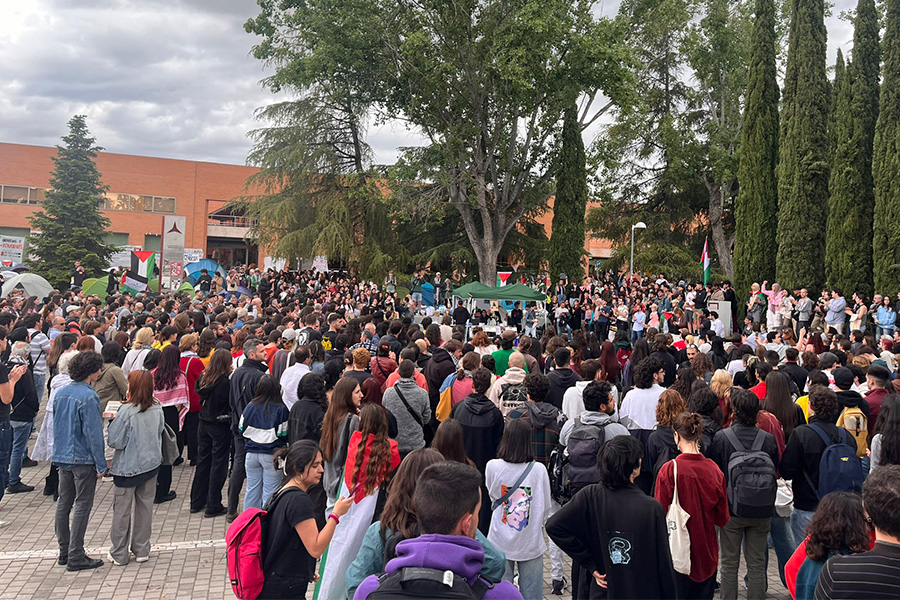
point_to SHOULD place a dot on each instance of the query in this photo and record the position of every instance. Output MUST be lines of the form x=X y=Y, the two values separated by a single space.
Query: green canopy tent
x=510 y=293
x=186 y=287
x=96 y=287
x=476 y=289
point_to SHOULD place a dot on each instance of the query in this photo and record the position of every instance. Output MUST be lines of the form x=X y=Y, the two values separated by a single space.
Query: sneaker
x=141 y=559
x=29 y=462
x=230 y=517
x=216 y=512
x=110 y=558
x=559 y=585
x=19 y=488
x=63 y=559
x=84 y=563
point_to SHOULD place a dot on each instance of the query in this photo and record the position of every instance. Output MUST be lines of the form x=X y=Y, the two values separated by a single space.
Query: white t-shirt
x=517 y=525
x=573 y=401
x=639 y=407
x=290 y=379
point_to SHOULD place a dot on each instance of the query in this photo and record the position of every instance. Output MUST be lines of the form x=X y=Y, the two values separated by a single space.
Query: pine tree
x=848 y=260
x=834 y=124
x=567 y=238
x=803 y=167
x=757 y=202
x=71 y=225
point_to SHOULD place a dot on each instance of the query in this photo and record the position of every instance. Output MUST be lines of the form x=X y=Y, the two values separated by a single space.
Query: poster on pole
x=172 y=272
x=193 y=255
x=12 y=248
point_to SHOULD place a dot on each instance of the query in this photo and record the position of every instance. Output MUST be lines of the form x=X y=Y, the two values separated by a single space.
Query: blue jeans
x=636 y=335
x=39 y=380
x=531 y=576
x=5 y=450
x=262 y=479
x=20 y=432
x=799 y=522
x=783 y=540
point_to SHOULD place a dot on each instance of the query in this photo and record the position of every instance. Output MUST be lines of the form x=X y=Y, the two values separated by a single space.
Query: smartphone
x=354 y=490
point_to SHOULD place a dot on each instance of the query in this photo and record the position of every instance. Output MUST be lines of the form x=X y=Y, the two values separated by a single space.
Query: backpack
x=839 y=467
x=752 y=479
x=244 y=550
x=854 y=421
x=512 y=396
x=420 y=582
x=574 y=465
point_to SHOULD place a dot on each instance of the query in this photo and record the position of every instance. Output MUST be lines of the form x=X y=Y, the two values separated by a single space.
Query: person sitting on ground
x=447 y=499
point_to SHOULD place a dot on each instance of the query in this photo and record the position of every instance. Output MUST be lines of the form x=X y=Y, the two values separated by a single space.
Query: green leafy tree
x=756 y=207
x=70 y=223
x=569 y=205
x=803 y=169
x=848 y=260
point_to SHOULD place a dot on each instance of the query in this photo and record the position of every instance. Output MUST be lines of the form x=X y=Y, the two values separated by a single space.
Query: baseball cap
x=843 y=378
x=289 y=334
x=72 y=308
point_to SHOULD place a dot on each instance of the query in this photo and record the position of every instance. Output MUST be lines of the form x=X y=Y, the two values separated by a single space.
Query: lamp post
x=638 y=225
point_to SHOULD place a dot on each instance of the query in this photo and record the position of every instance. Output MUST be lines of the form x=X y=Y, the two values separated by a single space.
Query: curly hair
x=670 y=405
x=84 y=365
x=373 y=425
x=644 y=372
x=823 y=403
x=702 y=364
x=838 y=524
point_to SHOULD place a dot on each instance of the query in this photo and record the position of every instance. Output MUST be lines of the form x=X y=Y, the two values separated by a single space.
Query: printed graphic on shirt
x=517 y=507
x=618 y=551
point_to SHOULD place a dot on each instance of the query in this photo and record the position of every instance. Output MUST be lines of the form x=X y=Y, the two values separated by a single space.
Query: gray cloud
x=171 y=78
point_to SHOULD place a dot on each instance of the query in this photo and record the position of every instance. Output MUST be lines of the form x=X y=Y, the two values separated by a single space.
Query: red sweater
x=701 y=492
x=192 y=367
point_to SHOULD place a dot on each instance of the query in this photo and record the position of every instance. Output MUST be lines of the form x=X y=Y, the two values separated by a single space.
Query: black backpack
x=574 y=465
x=420 y=582
x=752 y=479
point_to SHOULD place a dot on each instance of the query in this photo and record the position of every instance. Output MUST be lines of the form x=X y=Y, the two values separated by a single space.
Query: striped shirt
x=40 y=347
x=871 y=575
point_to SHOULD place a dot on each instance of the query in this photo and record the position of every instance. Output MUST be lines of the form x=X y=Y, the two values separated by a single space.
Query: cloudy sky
x=169 y=78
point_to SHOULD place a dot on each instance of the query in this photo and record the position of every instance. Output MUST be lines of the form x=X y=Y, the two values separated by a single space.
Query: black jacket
x=214 y=399
x=661 y=448
x=243 y=387
x=560 y=381
x=721 y=450
x=305 y=422
x=482 y=424
x=797 y=373
x=802 y=454
x=669 y=365
x=849 y=398
x=435 y=372
x=25 y=402
x=619 y=533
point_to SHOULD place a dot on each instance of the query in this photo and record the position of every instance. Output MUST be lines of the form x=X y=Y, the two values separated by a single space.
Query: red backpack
x=244 y=547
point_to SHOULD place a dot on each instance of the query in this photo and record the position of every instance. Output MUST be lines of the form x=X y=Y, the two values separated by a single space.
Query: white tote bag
x=676 y=523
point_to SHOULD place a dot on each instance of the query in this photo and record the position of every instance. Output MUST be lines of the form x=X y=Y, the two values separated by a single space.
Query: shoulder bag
x=676 y=523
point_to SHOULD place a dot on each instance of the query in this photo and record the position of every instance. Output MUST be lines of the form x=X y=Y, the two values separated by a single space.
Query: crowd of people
x=391 y=445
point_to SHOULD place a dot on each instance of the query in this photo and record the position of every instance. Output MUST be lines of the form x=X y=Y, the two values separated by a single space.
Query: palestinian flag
x=503 y=278
x=704 y=260
x=137 y=278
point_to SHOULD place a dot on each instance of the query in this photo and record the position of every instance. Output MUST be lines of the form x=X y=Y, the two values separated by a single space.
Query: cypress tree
x=803 y=166
x=756 y=206
x=567 y=237
x=886 y=162
x=834 y=122
x=848 y=260
x=71 y=224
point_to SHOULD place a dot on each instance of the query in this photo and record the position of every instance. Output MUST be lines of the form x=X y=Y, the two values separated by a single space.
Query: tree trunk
x=487 y=262
x=717 y=224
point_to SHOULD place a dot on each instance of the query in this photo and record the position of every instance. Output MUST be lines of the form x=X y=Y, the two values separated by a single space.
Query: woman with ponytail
x=701 y=492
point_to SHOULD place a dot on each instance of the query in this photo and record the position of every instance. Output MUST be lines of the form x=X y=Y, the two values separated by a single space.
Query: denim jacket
x=77 y=427
x=137 y=439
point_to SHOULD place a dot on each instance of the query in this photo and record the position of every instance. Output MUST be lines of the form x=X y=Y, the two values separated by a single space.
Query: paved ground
x=187 y=561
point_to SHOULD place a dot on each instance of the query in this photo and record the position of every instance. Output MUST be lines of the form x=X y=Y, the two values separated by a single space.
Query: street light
x=638 y=225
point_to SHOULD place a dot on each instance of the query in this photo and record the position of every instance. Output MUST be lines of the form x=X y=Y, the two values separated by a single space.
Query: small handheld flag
x=704 y=260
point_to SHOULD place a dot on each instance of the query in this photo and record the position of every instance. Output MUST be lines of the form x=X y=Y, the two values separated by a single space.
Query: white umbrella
x=33 y=285
x=8 y=274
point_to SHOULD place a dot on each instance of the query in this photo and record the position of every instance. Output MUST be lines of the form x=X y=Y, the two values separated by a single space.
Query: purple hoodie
x=460 y=554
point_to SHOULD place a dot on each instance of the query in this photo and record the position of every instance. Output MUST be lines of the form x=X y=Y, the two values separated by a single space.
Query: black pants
x=164 y=479
x=51 y=482
x=213 y=445
x=189 y=433
x=687 y=589
x=238 y=474
x=601 y=329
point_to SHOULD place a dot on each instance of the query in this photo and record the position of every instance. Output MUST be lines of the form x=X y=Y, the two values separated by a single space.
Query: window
x=20 y=194
x=139 y=203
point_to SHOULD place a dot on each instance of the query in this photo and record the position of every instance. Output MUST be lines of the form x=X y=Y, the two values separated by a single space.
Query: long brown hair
x=448 y=440
x=373 y=424
x=399 y=514
x=340 y=406
x=219 y=366
x=778 y=401
x=140 y=389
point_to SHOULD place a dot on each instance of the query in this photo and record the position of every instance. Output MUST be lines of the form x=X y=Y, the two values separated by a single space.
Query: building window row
x=139 y=203
x=20 y=194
